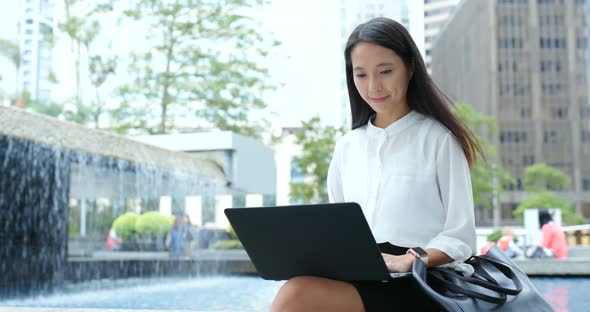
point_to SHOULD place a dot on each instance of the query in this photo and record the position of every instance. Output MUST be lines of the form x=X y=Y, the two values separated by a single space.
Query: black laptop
x=326 y=240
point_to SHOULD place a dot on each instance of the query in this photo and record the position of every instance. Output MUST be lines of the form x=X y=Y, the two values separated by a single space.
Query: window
x=586 y=184
x=555 y=19
x=581 y=43
x=585 y=136
x=551 y=88
x=525 y=113
x=510 y=43
x=507 y=66
x=437 y=11
x=550 y=66
x=550 y=137
x=528 y=160
x=513 y=136
x=513 y=90
x=559 y=112
x=552 y=43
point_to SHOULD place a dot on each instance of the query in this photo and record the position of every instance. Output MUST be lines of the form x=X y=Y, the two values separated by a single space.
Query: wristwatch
x=419 y=253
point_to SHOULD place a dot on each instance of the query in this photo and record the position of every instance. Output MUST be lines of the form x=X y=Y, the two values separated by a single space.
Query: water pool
x=235 y=293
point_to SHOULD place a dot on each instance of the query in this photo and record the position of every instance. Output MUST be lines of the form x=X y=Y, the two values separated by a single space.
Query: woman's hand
x=398 y=263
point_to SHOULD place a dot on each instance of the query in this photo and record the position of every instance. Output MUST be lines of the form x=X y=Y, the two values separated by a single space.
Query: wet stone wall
x=34 y=192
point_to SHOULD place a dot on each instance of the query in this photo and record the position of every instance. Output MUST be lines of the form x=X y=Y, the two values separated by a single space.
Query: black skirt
x=400 y=294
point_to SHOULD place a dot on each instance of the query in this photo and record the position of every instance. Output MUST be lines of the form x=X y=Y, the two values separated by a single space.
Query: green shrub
x=153 y=224
x=124 y=225
x=494 y=236
x=226 y=244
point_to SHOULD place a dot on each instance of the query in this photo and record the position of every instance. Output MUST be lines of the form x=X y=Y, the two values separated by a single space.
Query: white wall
x=254 y=166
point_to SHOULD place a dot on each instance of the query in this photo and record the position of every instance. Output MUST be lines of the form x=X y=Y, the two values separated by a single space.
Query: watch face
x=421 y=252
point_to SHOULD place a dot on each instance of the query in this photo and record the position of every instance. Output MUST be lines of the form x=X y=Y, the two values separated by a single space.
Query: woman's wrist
x=411 y=257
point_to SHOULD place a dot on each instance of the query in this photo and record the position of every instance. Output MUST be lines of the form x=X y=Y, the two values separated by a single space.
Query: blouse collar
x=395 y=128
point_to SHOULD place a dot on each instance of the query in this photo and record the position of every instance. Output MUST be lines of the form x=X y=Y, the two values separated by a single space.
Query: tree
x=317 y=144
x=201 y=62
x=11 y=51
x=541 y=177
x=488 y=177
x=82 y=30
x=549 y=200
x=539 y=180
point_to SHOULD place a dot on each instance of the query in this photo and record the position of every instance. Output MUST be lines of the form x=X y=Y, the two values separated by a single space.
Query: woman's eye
x=361 y=75
x=385 y=72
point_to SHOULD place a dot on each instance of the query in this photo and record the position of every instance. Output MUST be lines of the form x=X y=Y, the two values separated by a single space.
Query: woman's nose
x=374 y=84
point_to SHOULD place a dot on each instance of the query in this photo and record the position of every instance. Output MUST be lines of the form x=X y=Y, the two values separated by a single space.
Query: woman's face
x=381 y=78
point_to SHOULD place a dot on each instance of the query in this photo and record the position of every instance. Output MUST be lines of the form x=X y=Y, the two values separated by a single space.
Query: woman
x=507 y=245
x=552 y=235
x=406 y=162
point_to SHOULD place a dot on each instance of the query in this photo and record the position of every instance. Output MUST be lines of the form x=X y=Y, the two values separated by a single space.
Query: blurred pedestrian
x=507 y=245
x=552 y=235
x=175 y=240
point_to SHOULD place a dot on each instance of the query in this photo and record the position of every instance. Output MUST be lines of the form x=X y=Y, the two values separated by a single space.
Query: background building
x=436 y=15
x=526 y=63
x=35 y=29
x=248 y=165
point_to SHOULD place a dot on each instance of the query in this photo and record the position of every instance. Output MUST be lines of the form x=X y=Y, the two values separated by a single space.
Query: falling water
x=52 y=169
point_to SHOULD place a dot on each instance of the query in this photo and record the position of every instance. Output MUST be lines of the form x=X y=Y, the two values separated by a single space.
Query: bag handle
x=437 y=275
x=502 y=267
x=488 y=281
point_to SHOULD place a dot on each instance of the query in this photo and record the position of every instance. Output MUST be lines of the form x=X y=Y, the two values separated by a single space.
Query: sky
x=306 y=67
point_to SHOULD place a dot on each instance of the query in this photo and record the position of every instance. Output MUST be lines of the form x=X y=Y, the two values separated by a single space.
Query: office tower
x=436 y=14
x=525 y=62
x=35 y=28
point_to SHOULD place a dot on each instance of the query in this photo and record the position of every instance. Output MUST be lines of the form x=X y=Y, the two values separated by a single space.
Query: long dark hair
x=423 y=95
x=544 y=217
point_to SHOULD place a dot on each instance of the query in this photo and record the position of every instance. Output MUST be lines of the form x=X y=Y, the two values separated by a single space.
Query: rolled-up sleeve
x=335 y=194
x=458 y=237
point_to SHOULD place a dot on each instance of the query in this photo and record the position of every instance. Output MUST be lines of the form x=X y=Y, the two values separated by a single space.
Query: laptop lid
x=325 y=240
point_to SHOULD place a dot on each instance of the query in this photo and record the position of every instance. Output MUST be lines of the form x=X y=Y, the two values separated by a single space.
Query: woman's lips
x=378 y=100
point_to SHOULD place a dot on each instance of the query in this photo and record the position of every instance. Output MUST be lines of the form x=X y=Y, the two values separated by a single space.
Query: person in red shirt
x=552 y=235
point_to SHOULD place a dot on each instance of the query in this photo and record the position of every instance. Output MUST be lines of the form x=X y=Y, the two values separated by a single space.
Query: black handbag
x=497 y=284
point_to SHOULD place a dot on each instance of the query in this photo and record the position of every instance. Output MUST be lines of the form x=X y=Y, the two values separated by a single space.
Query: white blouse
x=412 y=181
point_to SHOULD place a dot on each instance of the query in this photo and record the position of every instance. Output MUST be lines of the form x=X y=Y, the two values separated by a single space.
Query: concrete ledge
x=554 y=267
x=114 y=265
x=51 y=131
x=238 y=262
x=131 y=255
